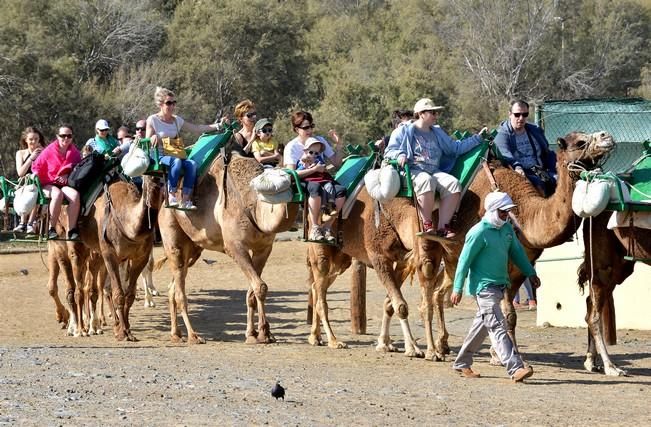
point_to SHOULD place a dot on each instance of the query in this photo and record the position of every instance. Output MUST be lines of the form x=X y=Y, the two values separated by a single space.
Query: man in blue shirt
x=523 y=147
x=484 y=259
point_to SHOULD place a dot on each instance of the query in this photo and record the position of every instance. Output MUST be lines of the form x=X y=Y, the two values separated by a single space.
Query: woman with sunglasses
x=166 y=124
x=247 y=116
x=523 y=147
x=52 y=167
x=31 y=145
x=303 y=125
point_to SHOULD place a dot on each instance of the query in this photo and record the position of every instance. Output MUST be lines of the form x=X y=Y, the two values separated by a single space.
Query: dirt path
x=49 y=379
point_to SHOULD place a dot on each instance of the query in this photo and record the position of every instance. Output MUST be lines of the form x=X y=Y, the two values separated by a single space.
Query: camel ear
x=561 y=143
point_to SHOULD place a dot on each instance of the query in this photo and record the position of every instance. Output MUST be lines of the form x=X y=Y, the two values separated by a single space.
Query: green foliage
x=348 y=62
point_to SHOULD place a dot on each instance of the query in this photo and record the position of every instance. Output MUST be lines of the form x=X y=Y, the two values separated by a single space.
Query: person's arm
x=472 y=246
x=201 y=128
x=397 y=147
x=23 y=167
x=519 y=256
x=338 y=156
x=502 y=144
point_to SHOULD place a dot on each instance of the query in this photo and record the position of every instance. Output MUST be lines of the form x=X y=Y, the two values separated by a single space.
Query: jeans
x=174 y=168
x=489 y=320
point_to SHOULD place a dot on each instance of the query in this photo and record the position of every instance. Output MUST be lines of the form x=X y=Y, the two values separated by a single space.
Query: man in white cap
x=431 y=153
x=104 y=143
x=489 y=246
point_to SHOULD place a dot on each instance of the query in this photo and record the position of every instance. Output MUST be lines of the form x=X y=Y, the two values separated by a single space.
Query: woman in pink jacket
x=53 y=167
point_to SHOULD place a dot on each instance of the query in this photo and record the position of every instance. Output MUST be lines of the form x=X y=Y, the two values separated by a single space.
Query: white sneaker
x=188 y=205
x=316 y=234
x=30 y=229
x=20 y=228
x=327 y=235
x=171 y=201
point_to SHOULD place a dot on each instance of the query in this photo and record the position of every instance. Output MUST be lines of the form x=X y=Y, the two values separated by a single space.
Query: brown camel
x=603 y=268
x=120 y=227
x=231 y=220
x=545 y=223
x=392 y=249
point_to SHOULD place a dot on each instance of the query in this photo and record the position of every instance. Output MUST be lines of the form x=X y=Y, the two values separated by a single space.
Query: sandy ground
x=49 y=379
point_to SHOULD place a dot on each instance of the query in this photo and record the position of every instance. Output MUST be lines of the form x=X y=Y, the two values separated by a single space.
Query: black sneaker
x=52 y=234
x=73 y=234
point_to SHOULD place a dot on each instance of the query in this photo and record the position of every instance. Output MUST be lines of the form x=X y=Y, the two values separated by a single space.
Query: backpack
x=86 y=172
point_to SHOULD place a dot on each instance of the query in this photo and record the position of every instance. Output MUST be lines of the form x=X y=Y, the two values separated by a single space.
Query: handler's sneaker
x=468 y=373
x=522 y=373
x=316 y=234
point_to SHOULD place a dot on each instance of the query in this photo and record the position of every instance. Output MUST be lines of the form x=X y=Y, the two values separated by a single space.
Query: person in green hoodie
x=484 y=260
x=104 y=143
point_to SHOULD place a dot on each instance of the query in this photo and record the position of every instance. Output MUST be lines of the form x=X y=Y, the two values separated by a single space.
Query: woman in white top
x=32 y=143
x=166 y=124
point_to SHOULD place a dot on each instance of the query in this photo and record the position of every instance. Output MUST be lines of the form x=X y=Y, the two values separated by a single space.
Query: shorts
x=442 y=182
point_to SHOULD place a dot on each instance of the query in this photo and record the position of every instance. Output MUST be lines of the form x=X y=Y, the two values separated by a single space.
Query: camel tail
x=160 y=263
x=583 y=278
x=410 y=266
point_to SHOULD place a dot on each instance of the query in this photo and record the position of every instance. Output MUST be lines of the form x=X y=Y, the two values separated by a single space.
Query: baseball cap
x=261 y=124
x=102 y=125
x=311 y=141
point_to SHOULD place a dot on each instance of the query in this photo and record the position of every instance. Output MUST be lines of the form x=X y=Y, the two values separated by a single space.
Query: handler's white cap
x=498 y=200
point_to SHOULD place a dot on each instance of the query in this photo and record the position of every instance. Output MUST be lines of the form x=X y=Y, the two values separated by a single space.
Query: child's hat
x=312 y=141
x=261 y=124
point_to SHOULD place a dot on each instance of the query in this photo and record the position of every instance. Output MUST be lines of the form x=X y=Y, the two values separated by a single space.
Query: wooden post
x=358 y=298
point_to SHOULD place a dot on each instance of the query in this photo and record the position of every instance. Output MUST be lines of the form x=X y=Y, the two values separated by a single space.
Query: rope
x=591 y=262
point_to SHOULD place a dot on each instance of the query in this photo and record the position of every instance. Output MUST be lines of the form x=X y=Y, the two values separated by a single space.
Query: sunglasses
x=251 y=114
x=169 y=103
x=313 y=153
x=517 y=115
x=140 y=129
x=266 y=131
x=65 y=135
x=307 y=127
x=103 y=130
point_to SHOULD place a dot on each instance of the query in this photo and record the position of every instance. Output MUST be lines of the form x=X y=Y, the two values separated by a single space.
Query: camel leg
x=315 y=330
x=148 y=282
x=310 y=292
x=430 y=278
x=61 y=313
x=384 y=343
x=441 y=296
x=73 y=323
x=384 y=270
x=321 y=263
x=596 y=301
x=135 y=267
x=78 y=255
x=120 y=327
x=259 y=260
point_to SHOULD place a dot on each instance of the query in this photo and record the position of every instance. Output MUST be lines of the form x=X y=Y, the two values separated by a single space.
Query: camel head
x=585 y=150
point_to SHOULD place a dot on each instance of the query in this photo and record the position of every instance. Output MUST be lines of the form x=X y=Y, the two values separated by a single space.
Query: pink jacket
x=50 y=164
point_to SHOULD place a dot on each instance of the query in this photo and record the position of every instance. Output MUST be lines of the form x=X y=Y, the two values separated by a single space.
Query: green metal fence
x=628 y=120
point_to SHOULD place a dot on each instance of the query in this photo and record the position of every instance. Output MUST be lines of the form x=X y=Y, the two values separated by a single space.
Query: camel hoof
x=251 y=339
x=196 y=339
x=266 y=339
x=419 y=354
x=615 y=372
x=386 y=348
x=176 y=338
x=338 y=345
x=314 y=340
x=434 y=356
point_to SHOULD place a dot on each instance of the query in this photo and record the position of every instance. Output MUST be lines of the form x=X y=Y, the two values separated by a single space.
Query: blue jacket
x=402 y=141
x=505 y=142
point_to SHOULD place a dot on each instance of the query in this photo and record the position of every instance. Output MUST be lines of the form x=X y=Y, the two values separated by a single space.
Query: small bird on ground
x=24 y=271
x=278 y=391
x=209 y=261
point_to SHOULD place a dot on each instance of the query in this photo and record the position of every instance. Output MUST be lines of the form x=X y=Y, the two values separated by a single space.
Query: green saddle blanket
x=638 y=181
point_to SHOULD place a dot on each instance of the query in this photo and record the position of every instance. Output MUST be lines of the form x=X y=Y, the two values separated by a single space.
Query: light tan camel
x=603 y=268
x=121 y=228
x=231 y=220
x=545 y=222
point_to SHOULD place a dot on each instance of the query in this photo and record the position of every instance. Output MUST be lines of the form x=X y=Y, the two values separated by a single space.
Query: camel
x=603 y=268
x=231 y=220
x=545 y=223
x=120 y=227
